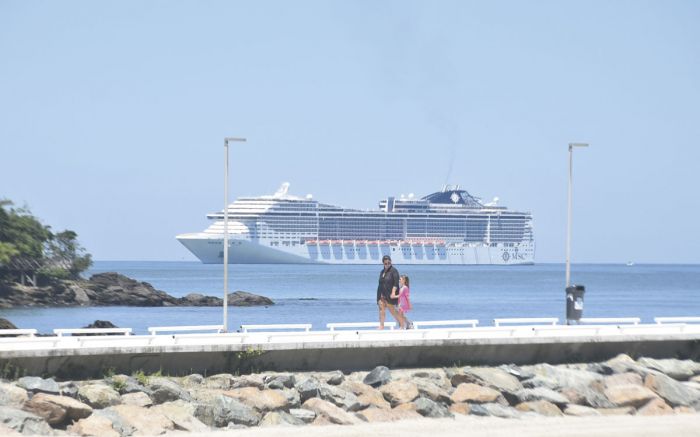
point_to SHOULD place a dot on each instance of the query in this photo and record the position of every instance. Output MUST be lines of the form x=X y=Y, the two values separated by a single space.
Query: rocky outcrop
x=112 y=289
x=122 y=405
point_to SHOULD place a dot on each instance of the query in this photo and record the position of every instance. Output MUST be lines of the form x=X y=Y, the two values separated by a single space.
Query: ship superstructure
x=446 y=227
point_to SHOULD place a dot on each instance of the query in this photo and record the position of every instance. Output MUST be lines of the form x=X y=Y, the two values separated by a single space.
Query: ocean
x=320 y=294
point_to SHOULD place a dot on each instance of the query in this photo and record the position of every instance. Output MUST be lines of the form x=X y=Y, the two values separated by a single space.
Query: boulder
x=181 y=413
x=399 y=392
x=293 y=398
x=111 y=288
x=248 y=381
x=460 y=408
x=126 y=384
x=98 y=395
x=490 y=377
x=308 y=388
x=629 y=395
x=139 y=399
x=540 y=407
x=262 y=400
x=99 y=324
x=306 y=416
x=495 y=410
x=12 y=396
x=428 y=408
x=655 y=407
x=378 y=376
x=330 y=412
x=94 y=425
x=165 y=390
x=34 y=384
x=622 y=379
x=334 y=378
x=580 y=411
x=616 y=411
x=245 y=299
x=672 y=391
x=68 y=388
x=342 y=398
x=193 y=380
x=430 y=389
x=143 y=421
x=366 y=394
x=223 y=381
x=279 y=381
x=476 y=394
x=280 y=418
x=229 y=410
x=23 y=421
x=57 y=410
x=541 y=394
x=374 y=415
x=681 y=370
x=6 y=324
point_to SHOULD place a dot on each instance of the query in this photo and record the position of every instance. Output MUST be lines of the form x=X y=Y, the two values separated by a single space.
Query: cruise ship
x=446 y=227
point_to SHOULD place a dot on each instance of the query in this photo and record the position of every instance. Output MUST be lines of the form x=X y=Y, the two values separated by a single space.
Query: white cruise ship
x=447 y=227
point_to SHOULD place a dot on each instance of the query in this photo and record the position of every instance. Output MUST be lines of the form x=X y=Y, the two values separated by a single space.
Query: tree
x=63 y=251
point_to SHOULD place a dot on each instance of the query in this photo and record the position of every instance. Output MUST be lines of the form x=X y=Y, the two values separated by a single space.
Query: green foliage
x=23 y=237
x=11 y=372
x=141 y=377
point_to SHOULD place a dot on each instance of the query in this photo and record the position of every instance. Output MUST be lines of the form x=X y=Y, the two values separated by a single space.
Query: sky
x=113 y=114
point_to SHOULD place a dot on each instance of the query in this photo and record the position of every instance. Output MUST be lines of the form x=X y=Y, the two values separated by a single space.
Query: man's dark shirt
x=388 y=280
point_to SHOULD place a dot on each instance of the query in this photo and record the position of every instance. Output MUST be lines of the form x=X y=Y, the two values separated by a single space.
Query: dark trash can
x=574 y=302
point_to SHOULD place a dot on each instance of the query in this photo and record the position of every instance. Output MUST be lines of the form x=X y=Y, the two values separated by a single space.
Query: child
x=404 y=296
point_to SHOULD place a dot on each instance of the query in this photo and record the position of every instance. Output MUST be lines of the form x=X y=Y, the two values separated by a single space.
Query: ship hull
x=209 y=249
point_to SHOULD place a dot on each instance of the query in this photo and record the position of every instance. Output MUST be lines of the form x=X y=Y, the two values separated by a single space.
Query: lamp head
x=572 y=145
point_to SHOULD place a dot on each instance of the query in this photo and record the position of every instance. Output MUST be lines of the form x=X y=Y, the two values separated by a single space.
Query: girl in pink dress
x=404 y=296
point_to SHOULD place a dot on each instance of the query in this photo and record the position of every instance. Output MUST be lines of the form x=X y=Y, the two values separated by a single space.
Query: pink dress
x=405 y=299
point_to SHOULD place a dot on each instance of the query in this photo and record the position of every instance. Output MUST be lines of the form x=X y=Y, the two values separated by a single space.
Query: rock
x=68 y=388
x=126 y=384
x=165 y=390
x=35 y=384
x=99 y=324
x=541 y=394
x=683 y=410
x=193 y=380
x=94 y=425
x=245 y=299
x=261 y=400
x=622 y=364
x=495 y=410
x=672 y=391
x=112 y=288
x=335 y=378
x=473 y=393
x=279 y=381
x=280 y=418
x=676 y=369
x=431 y=390
x=629 y=395
x=580 y=386
x=181 y=413
x=490 y=377
x=23 y=422
x=540 y=407
x=374 y=415
x=57 y=410
x=228 y=409
x=223 y=381
x=342 y=398
x=144 y=421
x=399 y=392
x=98 y=395
x=306 y=416
x=655 y=407
x=695 y=379
x=427 y=408
x=140 y=399
x=580 y=411
x=378 y=376
x=366 y=394
x=622 y=379
x=519 y=372
x=616 y=411
x=293 y=398
x=330 y=412
x=460 y=408
x=308 y=388
x=248 y=381
x=200 y=300
x=12 y=396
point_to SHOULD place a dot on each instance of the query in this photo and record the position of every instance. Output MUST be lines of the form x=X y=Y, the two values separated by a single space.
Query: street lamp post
x=226 y=141
x=568 y=221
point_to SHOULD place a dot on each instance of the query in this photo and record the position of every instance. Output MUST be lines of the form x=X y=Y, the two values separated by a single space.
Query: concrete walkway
x=685 y=425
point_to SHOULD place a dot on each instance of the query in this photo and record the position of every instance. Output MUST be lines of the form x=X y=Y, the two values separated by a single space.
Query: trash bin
x=574 y=302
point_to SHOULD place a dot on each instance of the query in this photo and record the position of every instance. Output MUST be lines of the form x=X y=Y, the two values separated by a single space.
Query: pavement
x=679 y=425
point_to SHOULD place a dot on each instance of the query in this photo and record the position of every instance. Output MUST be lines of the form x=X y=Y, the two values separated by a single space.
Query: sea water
x=321 y=294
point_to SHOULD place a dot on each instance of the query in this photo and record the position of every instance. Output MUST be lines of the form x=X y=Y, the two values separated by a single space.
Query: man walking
x=388 y=285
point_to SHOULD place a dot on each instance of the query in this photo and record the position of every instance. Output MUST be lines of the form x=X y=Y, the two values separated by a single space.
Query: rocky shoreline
x=138 y=404
x=112 y=289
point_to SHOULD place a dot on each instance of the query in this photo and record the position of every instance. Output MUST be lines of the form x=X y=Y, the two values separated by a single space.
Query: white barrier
x=660 y=320
x=472 y=322
x=603 y=320
x=155 y=329
x=528 y=320
x=334 y=326
x=92 y=331
x=28 y=332
x=305 y=326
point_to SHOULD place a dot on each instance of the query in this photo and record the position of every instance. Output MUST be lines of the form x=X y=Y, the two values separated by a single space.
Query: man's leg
x=382 y=313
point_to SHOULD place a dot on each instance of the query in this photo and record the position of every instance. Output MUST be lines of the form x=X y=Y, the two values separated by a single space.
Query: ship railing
x=153 y=330
x=525 y=320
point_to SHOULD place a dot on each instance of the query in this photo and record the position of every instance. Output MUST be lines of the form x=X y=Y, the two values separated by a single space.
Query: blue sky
x=112 y=114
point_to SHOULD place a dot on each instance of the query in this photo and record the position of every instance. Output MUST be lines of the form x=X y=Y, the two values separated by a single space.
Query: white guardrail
x=12 y=340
